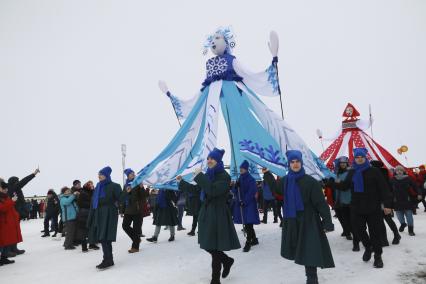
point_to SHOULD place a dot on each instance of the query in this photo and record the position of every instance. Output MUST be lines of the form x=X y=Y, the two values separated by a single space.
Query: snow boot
x=105 y=264
x=45 y=235
x=402 y=227
x=172 y=238
x=356 y=247
x=311 y=275
x=396 y=238
x=5 y=261
x=254 y=242
x=227 y=264
x=247 y=247
x=133 y=250
x=154 y=239
x=180 y=228
x=191 y=233
x=93 y=247
x=378 y=262
x=411 y=231
x=367 y=254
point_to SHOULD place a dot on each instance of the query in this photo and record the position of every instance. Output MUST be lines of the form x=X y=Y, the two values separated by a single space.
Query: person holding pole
x=216 y=231
x=245 y=209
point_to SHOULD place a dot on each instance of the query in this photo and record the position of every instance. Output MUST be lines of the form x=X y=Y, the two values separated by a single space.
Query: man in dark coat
x=103 y=216
x=131 y=200
x=306 y=219
x=244 y=209
x=192 y=200
x=387 y=218
x=15 y=189
x=369 y=192
x=216 y=231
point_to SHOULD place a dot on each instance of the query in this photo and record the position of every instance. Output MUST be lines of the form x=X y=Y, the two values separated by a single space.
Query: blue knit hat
x=245 y=165
x=294 y=155
x=216 y=154
x=360 y=152
x=106 y=172
x=128 y=171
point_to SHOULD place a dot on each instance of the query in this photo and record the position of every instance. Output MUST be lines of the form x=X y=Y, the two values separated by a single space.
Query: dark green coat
x=192 y=193
x=167 y=216
x=303 y=238
x=216 y=230
x=102 y=221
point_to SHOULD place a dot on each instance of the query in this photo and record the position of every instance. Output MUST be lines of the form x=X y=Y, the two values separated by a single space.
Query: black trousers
x=276 y=207
x=373 y=221
x=70 y=229
x=251 y=234
x=218 y=258
x=107 y=250
x=194 y=223
x=54 y=219
x=344 y=215
x=134 y=232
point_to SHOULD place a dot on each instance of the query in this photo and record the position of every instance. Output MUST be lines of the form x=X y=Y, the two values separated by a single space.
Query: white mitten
x=163 y=87
x=197 y=171
x=273 y=43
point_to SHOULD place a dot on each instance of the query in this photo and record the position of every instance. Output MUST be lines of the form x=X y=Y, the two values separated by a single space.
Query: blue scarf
x=100 y=191
x=357 y=178
x=293 y=199
x=161 y=199
x=211 y=172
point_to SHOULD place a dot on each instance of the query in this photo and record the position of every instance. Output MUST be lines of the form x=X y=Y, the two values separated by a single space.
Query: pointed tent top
x=350 y=112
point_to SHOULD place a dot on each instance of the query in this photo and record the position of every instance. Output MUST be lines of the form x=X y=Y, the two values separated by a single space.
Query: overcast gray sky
x=79 y=78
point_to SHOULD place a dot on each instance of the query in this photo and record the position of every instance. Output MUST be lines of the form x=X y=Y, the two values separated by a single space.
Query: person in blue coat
x=245 y=209
x=69 y=211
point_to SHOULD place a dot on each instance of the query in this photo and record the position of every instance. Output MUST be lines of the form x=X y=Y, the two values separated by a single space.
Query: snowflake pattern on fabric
x=216 y=66
x=268 y=154
x=272 y=77
x=177 y=106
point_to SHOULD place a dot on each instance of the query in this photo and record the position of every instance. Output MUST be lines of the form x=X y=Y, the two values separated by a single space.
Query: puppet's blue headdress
x=227 y=34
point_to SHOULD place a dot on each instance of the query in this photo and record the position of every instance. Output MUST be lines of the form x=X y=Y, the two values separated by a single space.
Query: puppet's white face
x=218 y=44
x=349 y=111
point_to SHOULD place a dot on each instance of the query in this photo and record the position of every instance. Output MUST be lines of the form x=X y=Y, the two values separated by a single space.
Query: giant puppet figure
x=256 y=133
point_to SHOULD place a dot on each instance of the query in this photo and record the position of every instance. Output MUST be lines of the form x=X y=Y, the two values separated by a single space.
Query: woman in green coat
x=306 y=219
x=216 y=231
x=103 y=216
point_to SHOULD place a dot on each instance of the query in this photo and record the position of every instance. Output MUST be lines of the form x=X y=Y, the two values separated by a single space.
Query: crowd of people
x=364 y=196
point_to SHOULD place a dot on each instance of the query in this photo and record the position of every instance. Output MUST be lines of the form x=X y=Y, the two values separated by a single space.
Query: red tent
x=352 y=136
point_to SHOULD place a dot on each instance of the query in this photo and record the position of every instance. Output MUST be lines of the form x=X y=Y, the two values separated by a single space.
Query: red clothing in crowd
x=10 y=230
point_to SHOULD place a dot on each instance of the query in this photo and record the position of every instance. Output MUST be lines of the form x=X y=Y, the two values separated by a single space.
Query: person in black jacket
x=388 y=218
x=405 y=196
x=15 y=189
x=369 y=191
x=51 y=213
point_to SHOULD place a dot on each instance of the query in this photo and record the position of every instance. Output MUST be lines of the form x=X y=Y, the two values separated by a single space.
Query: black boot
x=349 y=237
x=396 y=238
x=378 y=262
x=152 y=240
x=84 y=247
x=311 y=275
x=191 y=233
x=402 y=227
x=5 y=261
x=45 y=235
x=227 y=264
x=172 y=238
x=356 y=247
x=411 y=230
x=254 y=242
x=105 y=264
x=247 y=247
x=54 y=235
x=367 y=254
x=93 y=247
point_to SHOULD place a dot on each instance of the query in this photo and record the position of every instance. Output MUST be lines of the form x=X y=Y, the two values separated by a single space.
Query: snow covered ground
x=183 y=262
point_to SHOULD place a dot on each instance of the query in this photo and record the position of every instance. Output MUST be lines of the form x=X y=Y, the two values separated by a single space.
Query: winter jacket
x=165 y=210
x=343 y=197
x=131 y=201
x=69 y=208
x=216 y=231
x=53 y=206
x=10 y=230
x=376 y=191
x=404 y=192
x=303 y=238
x=15 y=188
x=269 y=185
x=245 y=202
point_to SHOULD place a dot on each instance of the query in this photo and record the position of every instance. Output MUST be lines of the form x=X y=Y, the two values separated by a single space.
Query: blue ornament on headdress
x=227 y=34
